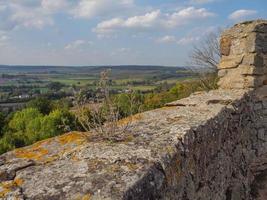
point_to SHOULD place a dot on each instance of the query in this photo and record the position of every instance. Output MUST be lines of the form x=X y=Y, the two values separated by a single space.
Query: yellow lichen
x=128 y=138
x=36 y=153
x=86 y=197
x=39 y=151
x=8 y=186
x=129 y=120
x=74 y=137
x=18 y=181
x=132 y=166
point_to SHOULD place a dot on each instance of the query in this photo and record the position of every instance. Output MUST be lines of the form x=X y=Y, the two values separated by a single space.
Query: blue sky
x=113 y=32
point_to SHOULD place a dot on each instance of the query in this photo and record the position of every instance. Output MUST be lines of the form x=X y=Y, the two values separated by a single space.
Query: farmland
x=19 y=84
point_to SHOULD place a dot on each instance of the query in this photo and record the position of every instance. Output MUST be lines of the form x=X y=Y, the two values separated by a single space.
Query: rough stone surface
x=243 y=46
x=200 y=147
x=209 y=146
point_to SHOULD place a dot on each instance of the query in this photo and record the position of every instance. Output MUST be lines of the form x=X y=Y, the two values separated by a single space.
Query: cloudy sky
x=110 y=32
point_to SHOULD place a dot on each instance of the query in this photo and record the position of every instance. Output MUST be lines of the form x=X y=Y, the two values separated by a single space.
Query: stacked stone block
x=244 y=56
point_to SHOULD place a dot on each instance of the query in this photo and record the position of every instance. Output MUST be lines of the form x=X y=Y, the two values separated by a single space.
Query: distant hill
x=122 y=71
x=83 y=69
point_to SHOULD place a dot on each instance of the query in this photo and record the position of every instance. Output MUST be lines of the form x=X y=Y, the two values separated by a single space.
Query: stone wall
x=244 y=55
x=209 y=146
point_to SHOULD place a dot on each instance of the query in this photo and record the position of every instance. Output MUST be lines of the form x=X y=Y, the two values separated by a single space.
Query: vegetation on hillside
x=44 y=118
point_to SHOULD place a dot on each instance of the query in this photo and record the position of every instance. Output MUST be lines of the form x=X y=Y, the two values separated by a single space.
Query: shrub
x=29 y=125
x=42 y=104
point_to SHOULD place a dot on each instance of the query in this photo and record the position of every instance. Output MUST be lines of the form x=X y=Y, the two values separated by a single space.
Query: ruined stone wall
x=244 y=55
x=216 y=160
x=209 y=146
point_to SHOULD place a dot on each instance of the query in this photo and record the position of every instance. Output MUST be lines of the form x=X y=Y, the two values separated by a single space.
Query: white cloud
x=3 y=8
x=201 y=1
x=30 y=17
x=77 y=44
x=188 y=40
x=167 y=39
x=91 y=8
x=186 y=15
x=149 y=20
x=182 y=41
x=26 y=13
x=242 y=14
x=121 y=51
x=153 y=20
x=54 y=5
x=3 y=38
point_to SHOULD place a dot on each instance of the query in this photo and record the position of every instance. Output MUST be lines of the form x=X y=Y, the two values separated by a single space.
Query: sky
x=114 y=32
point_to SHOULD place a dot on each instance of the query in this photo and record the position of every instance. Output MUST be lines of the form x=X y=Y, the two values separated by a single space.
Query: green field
x=35 y=80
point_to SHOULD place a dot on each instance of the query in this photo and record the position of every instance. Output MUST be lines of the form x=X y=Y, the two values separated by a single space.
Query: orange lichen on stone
x=132 y=166
x=34 y=152
x=8 y=186
x=129 y=120
x=74 y=137
x=83 y=197
x=47 y=151
x=86 y=197
x=18 y=181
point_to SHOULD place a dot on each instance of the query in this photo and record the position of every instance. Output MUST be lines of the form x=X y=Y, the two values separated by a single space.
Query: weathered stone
x=261 y=27
x=250 y=70
x=232 y=80
x=254 y=81
x=261 y=42
x=245 y=64
x=265 y=60
x=250 y=43
x=225 y=45
x=222 y=73
x=239 y=46
x=230 y=62
x=253 y=59
x=261 y=93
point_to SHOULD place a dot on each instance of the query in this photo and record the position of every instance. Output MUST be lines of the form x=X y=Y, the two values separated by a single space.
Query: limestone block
x=255 y=81
x=253 y=59
x=250 y=43
x=251 y=70
x=238 y=46
x=222 y=73
x=232 y=80
x=262 y=27
x=225 y=45
x=261 y=93
x=230 y=61
x=264 y=60
x=262 y=41
x=235 y=79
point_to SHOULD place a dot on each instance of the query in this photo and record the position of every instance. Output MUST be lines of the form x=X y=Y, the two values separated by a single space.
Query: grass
x=75 y=81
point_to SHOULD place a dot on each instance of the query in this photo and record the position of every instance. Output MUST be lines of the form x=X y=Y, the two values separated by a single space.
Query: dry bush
x=102 y=116
x=204 y=60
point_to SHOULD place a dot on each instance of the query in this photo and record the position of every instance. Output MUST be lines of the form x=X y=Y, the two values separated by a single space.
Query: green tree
x=22 y=118
x=2 y=123
x=29 y=125
x=129 y=104
x=57 y=122
x=55 y=86
x=42 y=104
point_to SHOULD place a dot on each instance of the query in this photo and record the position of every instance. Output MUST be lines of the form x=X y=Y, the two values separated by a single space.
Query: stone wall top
x=244 y=56
x=73 y=166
